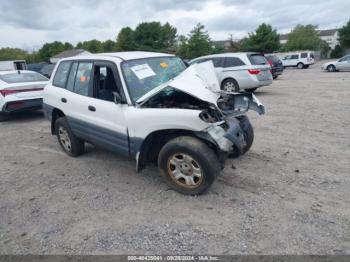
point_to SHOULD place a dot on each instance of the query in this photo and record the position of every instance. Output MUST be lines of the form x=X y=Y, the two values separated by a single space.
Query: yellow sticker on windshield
x=163 y=65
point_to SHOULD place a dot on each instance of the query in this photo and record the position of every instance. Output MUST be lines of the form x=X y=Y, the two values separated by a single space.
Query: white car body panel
x=22 y=95
x=125 y=126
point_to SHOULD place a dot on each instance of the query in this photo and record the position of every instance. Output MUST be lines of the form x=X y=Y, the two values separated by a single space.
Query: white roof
x=122 y=55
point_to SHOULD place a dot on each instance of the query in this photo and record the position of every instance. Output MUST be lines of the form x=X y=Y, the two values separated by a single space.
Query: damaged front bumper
x=235 y=104
x=229 y=134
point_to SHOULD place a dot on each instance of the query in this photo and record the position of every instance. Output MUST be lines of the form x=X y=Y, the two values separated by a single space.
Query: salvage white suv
x=151 y=108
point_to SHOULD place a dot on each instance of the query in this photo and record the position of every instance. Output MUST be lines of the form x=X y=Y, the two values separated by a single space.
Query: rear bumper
x=22 y=105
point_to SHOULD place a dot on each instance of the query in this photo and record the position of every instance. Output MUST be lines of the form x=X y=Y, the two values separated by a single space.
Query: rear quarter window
x=233 y=61
x=303 y=55
x=61 y=74
x=257 y=59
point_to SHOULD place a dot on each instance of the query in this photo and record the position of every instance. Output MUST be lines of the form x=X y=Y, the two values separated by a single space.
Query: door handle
x=63 y=100
x=92 y=108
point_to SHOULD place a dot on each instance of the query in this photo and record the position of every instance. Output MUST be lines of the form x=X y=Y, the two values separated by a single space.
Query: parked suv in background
x=300 y=60
x=150 y=108
x=276 y=65
x=239 y=71
x=342 y=64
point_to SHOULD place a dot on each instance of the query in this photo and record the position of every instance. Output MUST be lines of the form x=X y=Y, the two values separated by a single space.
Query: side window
x=82 y=78
x=71 y=77
x=233 y=61
x=104 y=82
x=218 y=62
x=61 y=74
x=294 y=57
x=303 y=55
x=344 y=59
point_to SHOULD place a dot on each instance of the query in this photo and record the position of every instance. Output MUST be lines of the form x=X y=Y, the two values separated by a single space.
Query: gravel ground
x=288 y=195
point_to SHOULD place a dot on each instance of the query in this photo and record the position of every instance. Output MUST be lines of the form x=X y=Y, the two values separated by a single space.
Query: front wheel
x=331 y=68
x=248 y=133
x=188 y=165
x=68 y=141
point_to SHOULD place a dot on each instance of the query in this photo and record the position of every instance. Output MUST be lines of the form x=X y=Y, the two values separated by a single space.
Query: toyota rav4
x=150 y=108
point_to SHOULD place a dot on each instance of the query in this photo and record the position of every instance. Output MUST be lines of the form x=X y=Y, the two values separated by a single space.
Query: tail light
x=254 y=71
x=6 y=92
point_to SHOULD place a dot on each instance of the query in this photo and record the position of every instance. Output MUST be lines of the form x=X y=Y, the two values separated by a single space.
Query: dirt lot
x=289 y=195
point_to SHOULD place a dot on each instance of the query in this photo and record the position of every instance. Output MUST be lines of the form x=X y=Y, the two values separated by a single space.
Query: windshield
x=143 y=75
x=22 y=77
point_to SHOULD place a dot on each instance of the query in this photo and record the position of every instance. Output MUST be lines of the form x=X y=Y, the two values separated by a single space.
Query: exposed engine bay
x=229 y=104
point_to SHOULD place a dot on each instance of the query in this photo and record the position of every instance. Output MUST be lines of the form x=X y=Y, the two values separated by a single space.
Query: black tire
x=306 y=66
x=248 y=133
x=231 y=82
x=300 y=65
x=204 y=160
x=3 y=118
x=331 y=68
x=76 y=146
x=275 y=77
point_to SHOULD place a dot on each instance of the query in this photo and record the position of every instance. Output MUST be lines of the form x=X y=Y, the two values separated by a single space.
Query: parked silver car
x=343 y=64
x=239 y=71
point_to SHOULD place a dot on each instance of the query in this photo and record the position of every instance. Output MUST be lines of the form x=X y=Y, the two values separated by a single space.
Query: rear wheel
x=68 y=141
x=331 y=68
x=248 y=133
x=230 y=85
x=188 y=165
x=300 y=65
x=275 y=76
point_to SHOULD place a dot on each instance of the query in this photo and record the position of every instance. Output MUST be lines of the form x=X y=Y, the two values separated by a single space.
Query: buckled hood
x=198 y=80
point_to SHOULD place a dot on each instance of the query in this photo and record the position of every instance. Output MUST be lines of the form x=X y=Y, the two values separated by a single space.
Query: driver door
x=109 y=128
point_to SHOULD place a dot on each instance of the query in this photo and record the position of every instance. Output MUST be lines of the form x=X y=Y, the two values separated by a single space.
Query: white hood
x=198 y=80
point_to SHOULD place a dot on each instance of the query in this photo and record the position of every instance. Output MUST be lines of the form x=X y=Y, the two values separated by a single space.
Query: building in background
x=328 y=35
x=68 y=53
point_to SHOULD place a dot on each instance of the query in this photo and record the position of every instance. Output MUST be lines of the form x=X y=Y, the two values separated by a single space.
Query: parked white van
x=13 y=65
x=300 y=60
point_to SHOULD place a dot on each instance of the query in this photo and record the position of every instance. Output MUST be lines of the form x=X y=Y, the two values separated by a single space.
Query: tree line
x=154 y=36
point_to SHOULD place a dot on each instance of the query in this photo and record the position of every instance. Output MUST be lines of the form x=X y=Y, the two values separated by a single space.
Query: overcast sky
x=30 y=23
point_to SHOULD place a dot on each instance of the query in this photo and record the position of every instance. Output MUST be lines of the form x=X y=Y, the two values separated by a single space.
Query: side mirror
x=117 y=98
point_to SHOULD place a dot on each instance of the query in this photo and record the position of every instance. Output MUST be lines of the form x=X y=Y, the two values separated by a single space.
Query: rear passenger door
x=77 y=99
x=234 y=67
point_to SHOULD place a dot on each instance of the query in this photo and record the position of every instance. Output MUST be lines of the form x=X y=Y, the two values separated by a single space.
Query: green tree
x=125 y=40
x=303 y=37
x=168 y=37
x=197 y=44
x=93 y=46
x=337 y=52
x=344 y=35
x=264 y=39
x=325 y=49
x=51 y=49
x=148 y=36
x=109 y=46
x=182 y=48
x=8 y=53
